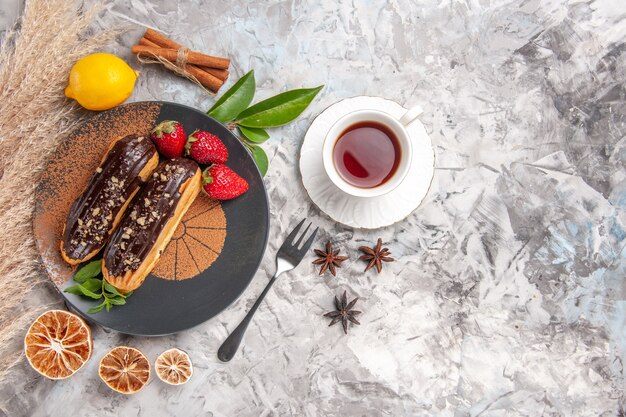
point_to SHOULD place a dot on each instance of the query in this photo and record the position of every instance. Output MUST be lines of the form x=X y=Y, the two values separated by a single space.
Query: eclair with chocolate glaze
x=95 y=214
x=146 y=229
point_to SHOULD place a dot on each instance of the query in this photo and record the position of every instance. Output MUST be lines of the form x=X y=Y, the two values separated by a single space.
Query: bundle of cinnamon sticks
x=210 y=71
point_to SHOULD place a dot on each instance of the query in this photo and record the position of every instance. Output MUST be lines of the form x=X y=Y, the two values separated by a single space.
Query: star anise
x=375 y=256
x=344 y=312
x=329 y=259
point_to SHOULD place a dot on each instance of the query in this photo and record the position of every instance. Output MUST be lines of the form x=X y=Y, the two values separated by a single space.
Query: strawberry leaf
x=235 y=100
x=254 y=134
x=260 y=158
x=278 y=110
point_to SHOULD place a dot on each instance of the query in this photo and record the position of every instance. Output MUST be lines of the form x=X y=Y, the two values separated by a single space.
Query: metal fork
x=287 y=258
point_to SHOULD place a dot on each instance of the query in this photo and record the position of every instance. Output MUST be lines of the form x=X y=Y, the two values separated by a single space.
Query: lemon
x=100 y=81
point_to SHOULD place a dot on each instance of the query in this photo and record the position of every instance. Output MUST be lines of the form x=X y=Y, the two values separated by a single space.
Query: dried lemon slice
x=125 y=370
x=58 y=344
x=174 y=367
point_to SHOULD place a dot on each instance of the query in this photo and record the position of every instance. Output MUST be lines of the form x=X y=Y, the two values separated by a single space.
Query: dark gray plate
x=159 y=306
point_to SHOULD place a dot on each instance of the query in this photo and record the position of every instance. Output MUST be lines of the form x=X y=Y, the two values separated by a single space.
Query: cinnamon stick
x=192 y=57
x=146 y=42
x=154 y=38
x=222 y=74
x=210 y=81
x=204 y=74
x=160 y=39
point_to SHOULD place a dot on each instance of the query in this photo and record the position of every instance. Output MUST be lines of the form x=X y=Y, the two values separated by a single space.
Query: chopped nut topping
x=123 y=245
x=114 y=180
x=141 y=221
x=146 y=202
x=98 y=170
x=163 y=177
x=155 y=175
x=125 y=236
x=95 y=211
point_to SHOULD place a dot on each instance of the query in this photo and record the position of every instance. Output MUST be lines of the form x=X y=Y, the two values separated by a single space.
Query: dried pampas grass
x=35 y=60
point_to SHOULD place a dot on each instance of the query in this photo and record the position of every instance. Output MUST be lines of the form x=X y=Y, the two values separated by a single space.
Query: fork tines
x=291 y=241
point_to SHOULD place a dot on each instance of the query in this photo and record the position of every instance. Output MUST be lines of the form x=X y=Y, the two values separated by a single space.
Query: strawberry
x=205 y=148
x=222 y=183
x=169 y=138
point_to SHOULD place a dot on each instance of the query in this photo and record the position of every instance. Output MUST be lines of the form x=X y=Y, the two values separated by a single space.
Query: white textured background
x=509 y=295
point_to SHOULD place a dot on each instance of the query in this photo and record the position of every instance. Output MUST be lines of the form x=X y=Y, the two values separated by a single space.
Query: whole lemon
x=100 y=81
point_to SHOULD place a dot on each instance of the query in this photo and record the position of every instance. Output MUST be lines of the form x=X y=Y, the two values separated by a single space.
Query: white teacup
x=397 y=126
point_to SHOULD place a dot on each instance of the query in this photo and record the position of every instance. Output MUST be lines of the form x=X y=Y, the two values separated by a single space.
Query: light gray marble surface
x=508 y=298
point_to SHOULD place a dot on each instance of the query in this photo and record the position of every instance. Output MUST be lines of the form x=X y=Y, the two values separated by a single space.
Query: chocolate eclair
x=95 y=214
x=150 y=221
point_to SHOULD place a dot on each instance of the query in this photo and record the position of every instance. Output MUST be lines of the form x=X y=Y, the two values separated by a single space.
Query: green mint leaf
x=80 y=289
x=91 y=270
x=254 y=134
x=74 y=289
x=89 y=293
x=118 y=301
x=235 y=100
x=94 y=310
x=278 y=110
x=110 y=288
x=260 y=158
x=94 y=285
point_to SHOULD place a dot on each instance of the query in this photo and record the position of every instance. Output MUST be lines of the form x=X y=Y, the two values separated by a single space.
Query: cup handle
x=410 y=115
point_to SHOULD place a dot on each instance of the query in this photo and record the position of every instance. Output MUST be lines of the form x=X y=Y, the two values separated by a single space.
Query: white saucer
x=368 y=213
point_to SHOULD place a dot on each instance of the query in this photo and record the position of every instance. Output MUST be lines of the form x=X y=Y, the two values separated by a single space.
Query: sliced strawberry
x=222 y=183
x=206 y=148
x=169 y=138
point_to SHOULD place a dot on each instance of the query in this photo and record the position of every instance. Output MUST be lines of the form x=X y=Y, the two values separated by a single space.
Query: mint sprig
x=90 y=283
x=233 y=110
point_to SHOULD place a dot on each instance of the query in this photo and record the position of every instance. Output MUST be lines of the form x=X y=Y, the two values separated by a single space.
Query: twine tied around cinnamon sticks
x=208 y=72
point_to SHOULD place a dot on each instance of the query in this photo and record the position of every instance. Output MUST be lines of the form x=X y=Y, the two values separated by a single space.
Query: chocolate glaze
x=90 y=220
x=146 y=216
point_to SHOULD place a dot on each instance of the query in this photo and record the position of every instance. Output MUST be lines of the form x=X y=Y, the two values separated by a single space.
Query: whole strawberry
x=222 y=183
x=169 y=138
x=205 y=148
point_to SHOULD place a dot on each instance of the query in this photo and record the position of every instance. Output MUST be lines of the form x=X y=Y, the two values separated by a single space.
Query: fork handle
x=228 y=349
